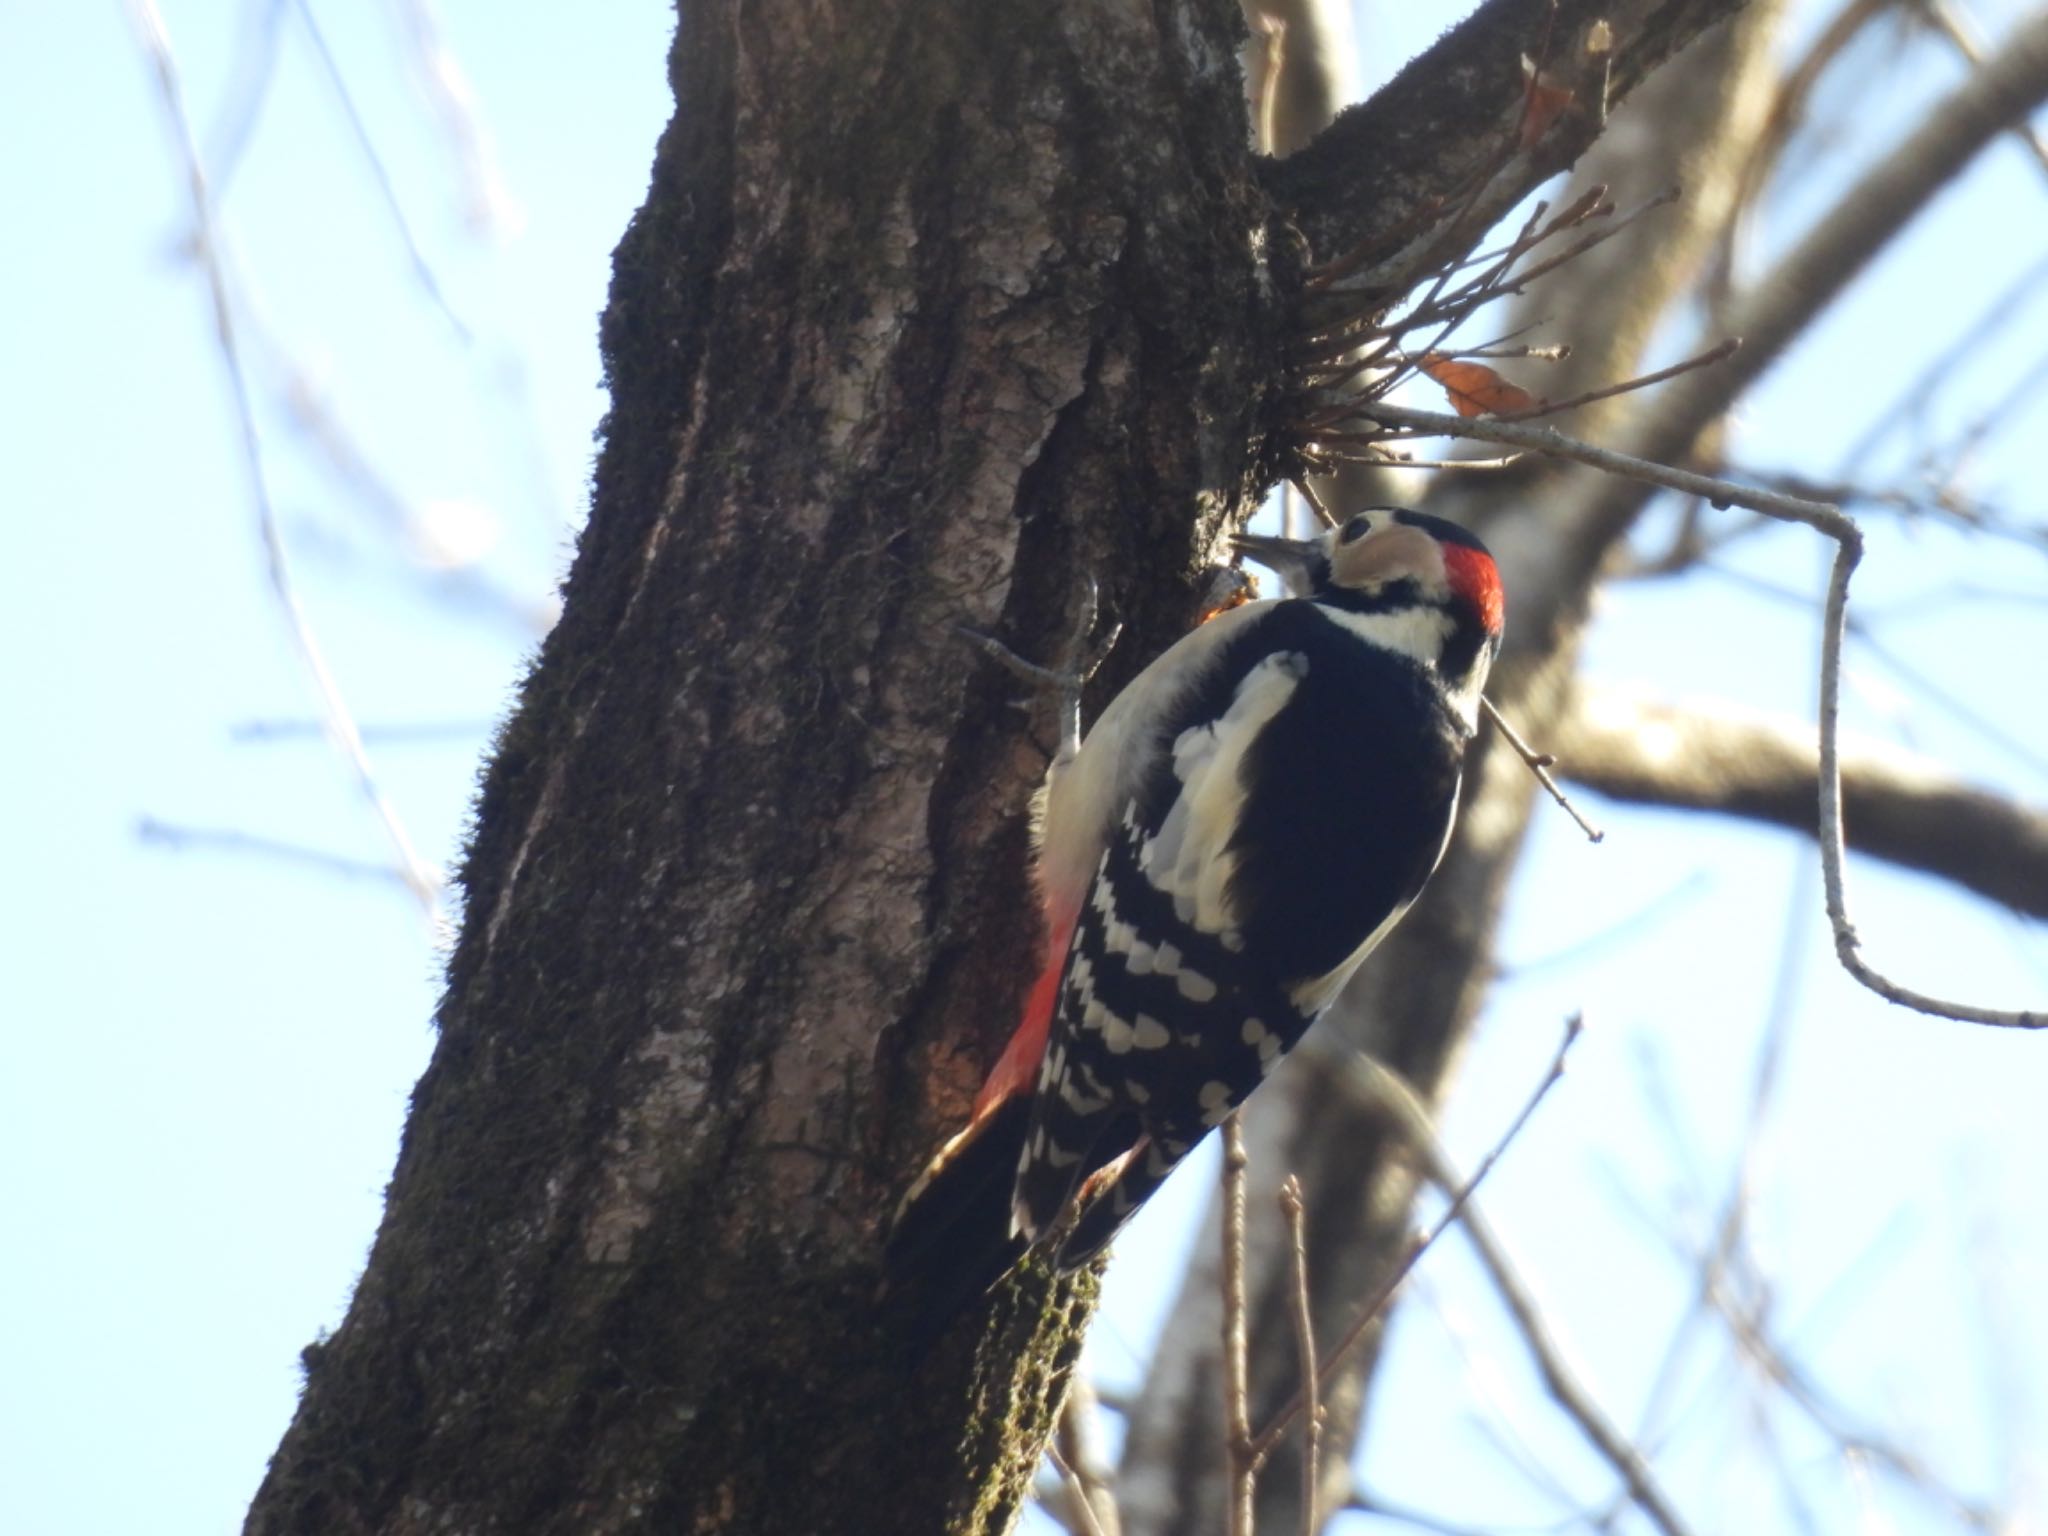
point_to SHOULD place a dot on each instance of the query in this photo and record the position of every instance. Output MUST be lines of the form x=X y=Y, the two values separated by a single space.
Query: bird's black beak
x=1294 y=561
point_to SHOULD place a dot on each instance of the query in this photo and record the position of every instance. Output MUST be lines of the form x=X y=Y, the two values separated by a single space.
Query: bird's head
x=1400 y=563
x=1388 y=557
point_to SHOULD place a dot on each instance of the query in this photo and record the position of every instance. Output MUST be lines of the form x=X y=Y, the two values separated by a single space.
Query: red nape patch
x=1473 y=576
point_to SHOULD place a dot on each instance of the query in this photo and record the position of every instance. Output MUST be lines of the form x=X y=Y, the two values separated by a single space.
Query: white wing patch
x=1188 y=858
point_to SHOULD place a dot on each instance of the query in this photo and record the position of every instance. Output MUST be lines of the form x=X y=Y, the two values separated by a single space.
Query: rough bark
x=927 y=314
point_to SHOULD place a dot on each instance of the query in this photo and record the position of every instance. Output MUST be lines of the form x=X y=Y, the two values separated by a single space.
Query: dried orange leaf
x=1476 y=390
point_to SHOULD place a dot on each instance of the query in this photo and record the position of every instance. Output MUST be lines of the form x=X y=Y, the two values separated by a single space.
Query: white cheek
x=1387 y=555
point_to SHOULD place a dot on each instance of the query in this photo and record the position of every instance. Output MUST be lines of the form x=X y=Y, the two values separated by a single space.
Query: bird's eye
x=1355 y=530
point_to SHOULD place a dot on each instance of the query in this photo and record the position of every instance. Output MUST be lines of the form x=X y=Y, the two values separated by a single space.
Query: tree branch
x=1454 y=118
x=1897 y=808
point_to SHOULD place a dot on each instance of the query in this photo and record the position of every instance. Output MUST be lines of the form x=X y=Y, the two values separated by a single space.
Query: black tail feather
x=952 y=1241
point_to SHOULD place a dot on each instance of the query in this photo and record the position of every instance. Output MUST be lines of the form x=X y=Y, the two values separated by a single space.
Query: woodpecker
x=1240 y=827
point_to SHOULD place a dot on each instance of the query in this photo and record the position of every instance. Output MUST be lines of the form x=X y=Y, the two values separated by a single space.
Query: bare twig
x=1084 y=1522
x=416 y=733
x=1236 y=1344
x=1644 y=916
x=1382 y=342
x=1712 y=355
x=1294 y=1209
x=1077 y=1449
x=1394 y=1095
x=1315 y=502
x=1269 y=1437
x=455 y=102
x=1385 y=460
x=424 y=883
x=1900 y=1461
x=1555 y=352
x=1732 y=1223
x=1540 y=764
x=1521 y=280
x=1789 y=100
x=1962 y=352
x=1929 y=688
x=422 y=269
x=1848 y=539
x=179 y=838
x=1368 y=1503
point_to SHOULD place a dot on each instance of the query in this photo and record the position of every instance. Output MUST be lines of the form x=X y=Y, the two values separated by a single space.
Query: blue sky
x=208 y=1053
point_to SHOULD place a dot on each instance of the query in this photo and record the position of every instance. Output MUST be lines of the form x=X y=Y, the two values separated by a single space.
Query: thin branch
x=455 y=102
x=1598 y=237
x=1269 y=1437
x=1405 y=1105
x=1788 y=107
x=1077 y=1447
x=1084 y=1522
x=1496 y=1412
x=419 y=878
x=416 y=733
x=1733 y=1222
x=1960 y=353
x=1366 y=1502
x=1540 y=764
x=176 y=837
x=1294 y=1209
x=241 y=100
x=1315 y=502
x=422 y=269
x=1390 y=349
x=1644 y=917
x=1907 y=1465
x=1383 y=460
x=1848 y=539
x=1928 y=688
x=1236 y=1343
x=1340 y=344
x=1713 y=354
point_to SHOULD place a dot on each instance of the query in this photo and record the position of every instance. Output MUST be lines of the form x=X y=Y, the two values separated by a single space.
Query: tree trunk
x=927 y=314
